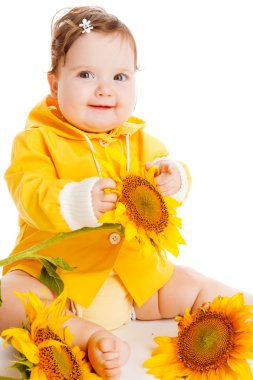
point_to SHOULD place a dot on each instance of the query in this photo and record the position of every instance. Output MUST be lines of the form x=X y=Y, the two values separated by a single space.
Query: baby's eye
x=86 y=75
x=120 y=77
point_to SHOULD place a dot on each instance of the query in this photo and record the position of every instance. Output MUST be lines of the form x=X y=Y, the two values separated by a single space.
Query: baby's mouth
x=100 y=106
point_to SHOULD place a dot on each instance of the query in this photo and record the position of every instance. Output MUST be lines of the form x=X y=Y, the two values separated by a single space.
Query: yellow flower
x=213 y=343
x=45 y=344
x=141 y=208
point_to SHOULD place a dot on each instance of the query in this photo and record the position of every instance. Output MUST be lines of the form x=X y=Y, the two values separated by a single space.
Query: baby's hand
x=168 y=178
x=101 y=201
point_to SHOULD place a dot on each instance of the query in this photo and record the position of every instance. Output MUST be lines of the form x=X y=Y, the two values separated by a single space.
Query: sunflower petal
x=241 y=368
x=107 y=217
x=157 y=360
x=130 y=231
x=120 y=210
x=37 y=374
x=21 y=341
x=163 y=340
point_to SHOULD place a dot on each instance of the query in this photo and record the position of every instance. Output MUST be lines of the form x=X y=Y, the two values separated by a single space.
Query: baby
x=57 y=181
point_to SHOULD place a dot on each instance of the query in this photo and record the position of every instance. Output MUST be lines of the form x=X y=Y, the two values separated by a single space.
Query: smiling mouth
x=100 y=107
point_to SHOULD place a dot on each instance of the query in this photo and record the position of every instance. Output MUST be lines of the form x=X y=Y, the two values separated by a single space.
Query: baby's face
x=95 y=87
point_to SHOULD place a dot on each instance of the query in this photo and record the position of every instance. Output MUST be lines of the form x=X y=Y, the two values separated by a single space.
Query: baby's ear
x=53 y=83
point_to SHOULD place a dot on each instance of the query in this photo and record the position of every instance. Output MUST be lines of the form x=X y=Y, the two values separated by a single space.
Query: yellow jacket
x=50 y=154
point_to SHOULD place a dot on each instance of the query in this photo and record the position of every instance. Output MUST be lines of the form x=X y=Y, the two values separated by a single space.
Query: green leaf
x=8 y=378
x=24 y=371
x=60 y=263
x=50 y=278
x=24 y=363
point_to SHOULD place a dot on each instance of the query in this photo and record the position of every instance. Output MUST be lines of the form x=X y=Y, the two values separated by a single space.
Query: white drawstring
x=93 y=151
x=96 y=161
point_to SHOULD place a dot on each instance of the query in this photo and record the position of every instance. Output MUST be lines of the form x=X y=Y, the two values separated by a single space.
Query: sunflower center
x=58 y=363
x=144 y=204
x=207 y=342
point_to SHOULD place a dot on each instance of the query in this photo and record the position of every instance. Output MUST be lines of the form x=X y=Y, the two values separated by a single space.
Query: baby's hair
x=66 y=30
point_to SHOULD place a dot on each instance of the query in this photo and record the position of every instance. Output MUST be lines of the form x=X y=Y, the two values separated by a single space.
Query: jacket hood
x=46 y=114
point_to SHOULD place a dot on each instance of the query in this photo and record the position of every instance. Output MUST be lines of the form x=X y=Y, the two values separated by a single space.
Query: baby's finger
x=108 y=197
x=149 y=165
x=106 y=206
x=165 y=167
x=163 y=179
x=164 y=190
x=107 y=183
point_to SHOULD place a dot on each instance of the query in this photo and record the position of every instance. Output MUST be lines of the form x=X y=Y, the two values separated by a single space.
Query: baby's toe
x=111 y=364
x=110 y=355
x=107 y=345
x=112 y=373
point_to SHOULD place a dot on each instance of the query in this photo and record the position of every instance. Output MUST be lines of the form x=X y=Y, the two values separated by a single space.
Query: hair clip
x=86 y=25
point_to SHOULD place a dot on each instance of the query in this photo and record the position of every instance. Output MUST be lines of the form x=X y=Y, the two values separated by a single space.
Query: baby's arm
x=46 y=201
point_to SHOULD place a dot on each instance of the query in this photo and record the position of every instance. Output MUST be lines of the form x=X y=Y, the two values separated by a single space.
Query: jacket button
x=114 y=238
x=103 y=143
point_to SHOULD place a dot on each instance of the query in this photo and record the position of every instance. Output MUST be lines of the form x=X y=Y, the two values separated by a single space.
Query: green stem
x=29 y=252
x=8 y=378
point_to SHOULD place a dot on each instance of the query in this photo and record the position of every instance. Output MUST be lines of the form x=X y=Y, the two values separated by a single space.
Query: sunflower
x=213 y=343
x=45 y=347
x=141 y=208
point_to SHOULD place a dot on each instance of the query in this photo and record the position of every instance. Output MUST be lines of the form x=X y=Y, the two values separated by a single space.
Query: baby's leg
x=106 y=352
x=186 y=288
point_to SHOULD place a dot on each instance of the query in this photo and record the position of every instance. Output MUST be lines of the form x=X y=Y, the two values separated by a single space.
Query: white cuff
x=182 y=192
x=76 y=204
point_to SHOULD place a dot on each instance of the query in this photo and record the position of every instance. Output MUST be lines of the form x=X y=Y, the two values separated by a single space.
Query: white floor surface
x=138 y=334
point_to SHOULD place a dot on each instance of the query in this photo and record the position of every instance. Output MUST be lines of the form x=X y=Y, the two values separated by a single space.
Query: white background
x=195 y=92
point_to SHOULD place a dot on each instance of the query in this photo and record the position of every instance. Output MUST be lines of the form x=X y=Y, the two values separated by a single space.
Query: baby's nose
x=103 y=90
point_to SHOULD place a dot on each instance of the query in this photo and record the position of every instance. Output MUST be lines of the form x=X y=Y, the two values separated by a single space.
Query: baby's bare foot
x=107 y=354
